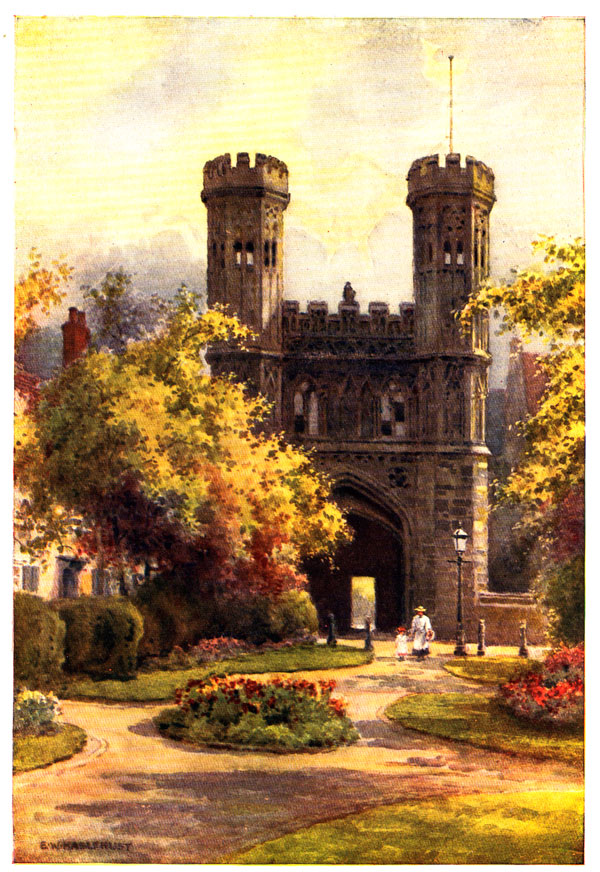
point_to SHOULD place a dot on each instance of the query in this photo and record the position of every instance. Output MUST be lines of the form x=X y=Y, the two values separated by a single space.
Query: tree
x=36 y=292
x=548 y=482
x=142 y=455
x=548 y=303
x=120 y=314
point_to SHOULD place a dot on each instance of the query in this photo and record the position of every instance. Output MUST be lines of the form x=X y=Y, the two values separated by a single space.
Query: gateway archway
x=376 y=552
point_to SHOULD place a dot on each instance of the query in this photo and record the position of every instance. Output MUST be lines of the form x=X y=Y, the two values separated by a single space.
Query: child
x=401 y=643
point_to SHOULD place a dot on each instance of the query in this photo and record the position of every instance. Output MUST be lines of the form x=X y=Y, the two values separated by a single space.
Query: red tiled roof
x=534 y=378
x=28 y=385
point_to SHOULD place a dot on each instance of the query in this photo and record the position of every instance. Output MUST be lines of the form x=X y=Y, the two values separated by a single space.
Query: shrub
x=33 y=712
x=564 y=597
x=172 y=616
x=39 y=636
x=554 y=695
x=102 y=635
x=289 y=714
x=293 y=615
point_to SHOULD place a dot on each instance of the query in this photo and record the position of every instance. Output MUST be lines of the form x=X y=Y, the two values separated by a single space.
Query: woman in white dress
x=421 y=633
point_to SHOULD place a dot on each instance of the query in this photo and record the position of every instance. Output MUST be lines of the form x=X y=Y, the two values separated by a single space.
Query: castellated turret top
x=427 y=176
x=268 y=175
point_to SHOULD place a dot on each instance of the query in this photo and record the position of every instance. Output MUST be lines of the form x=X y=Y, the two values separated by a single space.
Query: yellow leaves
x=37 y=291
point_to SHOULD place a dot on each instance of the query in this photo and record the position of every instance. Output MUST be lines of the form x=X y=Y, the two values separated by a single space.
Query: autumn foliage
x=143 y=457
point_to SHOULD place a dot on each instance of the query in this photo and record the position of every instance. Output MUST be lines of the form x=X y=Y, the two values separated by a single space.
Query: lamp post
x=460 y=544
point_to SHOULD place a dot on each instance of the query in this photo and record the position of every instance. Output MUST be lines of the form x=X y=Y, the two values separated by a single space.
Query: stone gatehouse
x=392 y=402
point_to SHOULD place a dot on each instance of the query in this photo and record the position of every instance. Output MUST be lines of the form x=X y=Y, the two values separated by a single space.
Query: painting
x=298 y=568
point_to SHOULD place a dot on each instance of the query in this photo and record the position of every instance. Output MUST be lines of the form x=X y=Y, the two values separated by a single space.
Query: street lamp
x=460 y=544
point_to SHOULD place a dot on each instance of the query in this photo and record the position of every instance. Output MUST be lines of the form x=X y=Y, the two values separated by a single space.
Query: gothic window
x=393 y=413
x=428 y=407
x=483 y=258
x=273 y=253
x=298 y=412
x=237 y=248
x=447 y=252
x=479 y=409
x=430 y=252
x=250 y=254
x=306 y=410
x=222 y=255
x=460 y=257
x=454 y=405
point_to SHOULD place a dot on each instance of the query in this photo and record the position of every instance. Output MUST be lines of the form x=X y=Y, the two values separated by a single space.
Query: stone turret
x=245 y=240
x=451 y=207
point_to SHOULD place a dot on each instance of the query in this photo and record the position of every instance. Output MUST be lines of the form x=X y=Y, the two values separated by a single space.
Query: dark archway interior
x=375 y=551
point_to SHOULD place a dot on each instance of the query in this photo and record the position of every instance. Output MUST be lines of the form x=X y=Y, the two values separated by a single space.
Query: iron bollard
x=481 y=638
x=523 y=652
x=331 y=639
x=368 y=637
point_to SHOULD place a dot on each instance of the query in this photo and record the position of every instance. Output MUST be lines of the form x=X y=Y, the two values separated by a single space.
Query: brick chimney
x=76 y=336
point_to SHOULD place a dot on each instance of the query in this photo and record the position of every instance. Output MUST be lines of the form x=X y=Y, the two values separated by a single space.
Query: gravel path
x=134 y=797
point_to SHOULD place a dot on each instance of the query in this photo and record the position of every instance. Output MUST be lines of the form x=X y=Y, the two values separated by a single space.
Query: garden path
x=135 y=797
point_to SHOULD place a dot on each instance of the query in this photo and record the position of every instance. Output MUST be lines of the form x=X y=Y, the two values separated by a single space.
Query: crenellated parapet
x=428 y=176
x=268 y=175
x=318 y=324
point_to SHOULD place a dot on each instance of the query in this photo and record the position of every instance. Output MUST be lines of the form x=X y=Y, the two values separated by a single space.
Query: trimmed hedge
x=39 y=636
x=102 y=635
x=176 y=615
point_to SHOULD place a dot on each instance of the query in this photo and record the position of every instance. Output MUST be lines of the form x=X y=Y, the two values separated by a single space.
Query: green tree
x=548 y=303
x=548 y=482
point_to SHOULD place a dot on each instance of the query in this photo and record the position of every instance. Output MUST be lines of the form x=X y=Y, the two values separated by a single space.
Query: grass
x=161 y=685
x=34 y=752
x=490 y=670
x=516 y=828
x=482 y=721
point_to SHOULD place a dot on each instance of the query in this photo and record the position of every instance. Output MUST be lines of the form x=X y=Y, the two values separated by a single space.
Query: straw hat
x=420 y=609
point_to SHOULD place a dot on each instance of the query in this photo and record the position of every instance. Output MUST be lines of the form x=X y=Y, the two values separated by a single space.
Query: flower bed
x=34 y=712
x=553 y=695
x=280 y=714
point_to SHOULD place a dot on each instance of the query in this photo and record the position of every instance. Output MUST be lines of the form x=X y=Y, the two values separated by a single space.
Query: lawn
x=490 y=670
x=516 y=828
x=33 y=752
x=161 y=685
x=482 y=721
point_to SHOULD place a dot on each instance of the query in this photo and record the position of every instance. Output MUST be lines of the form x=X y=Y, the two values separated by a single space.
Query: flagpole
x=451 y=58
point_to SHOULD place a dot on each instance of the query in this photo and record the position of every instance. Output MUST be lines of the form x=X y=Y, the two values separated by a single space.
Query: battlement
x=428 y=176
x=348 y=321
x=269 y=174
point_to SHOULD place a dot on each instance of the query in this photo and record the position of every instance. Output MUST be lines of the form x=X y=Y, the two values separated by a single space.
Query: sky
x=115 y=118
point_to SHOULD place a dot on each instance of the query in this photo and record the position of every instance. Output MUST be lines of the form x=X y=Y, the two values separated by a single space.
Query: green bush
x=102 y=635
x=173 y=615
x=33 y=712
x=245 y=616
x=39 y=636
x=293 y=615
x=564 y=597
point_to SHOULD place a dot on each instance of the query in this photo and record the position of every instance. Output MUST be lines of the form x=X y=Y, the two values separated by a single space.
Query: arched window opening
x=430 y=252
x=237 y=248
x=393 y=413
x=460 y=257
x=273 y=253
x=447 y=253
x=298 y=412
x=266 y=252
x=249 y=254
x=483 y=251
